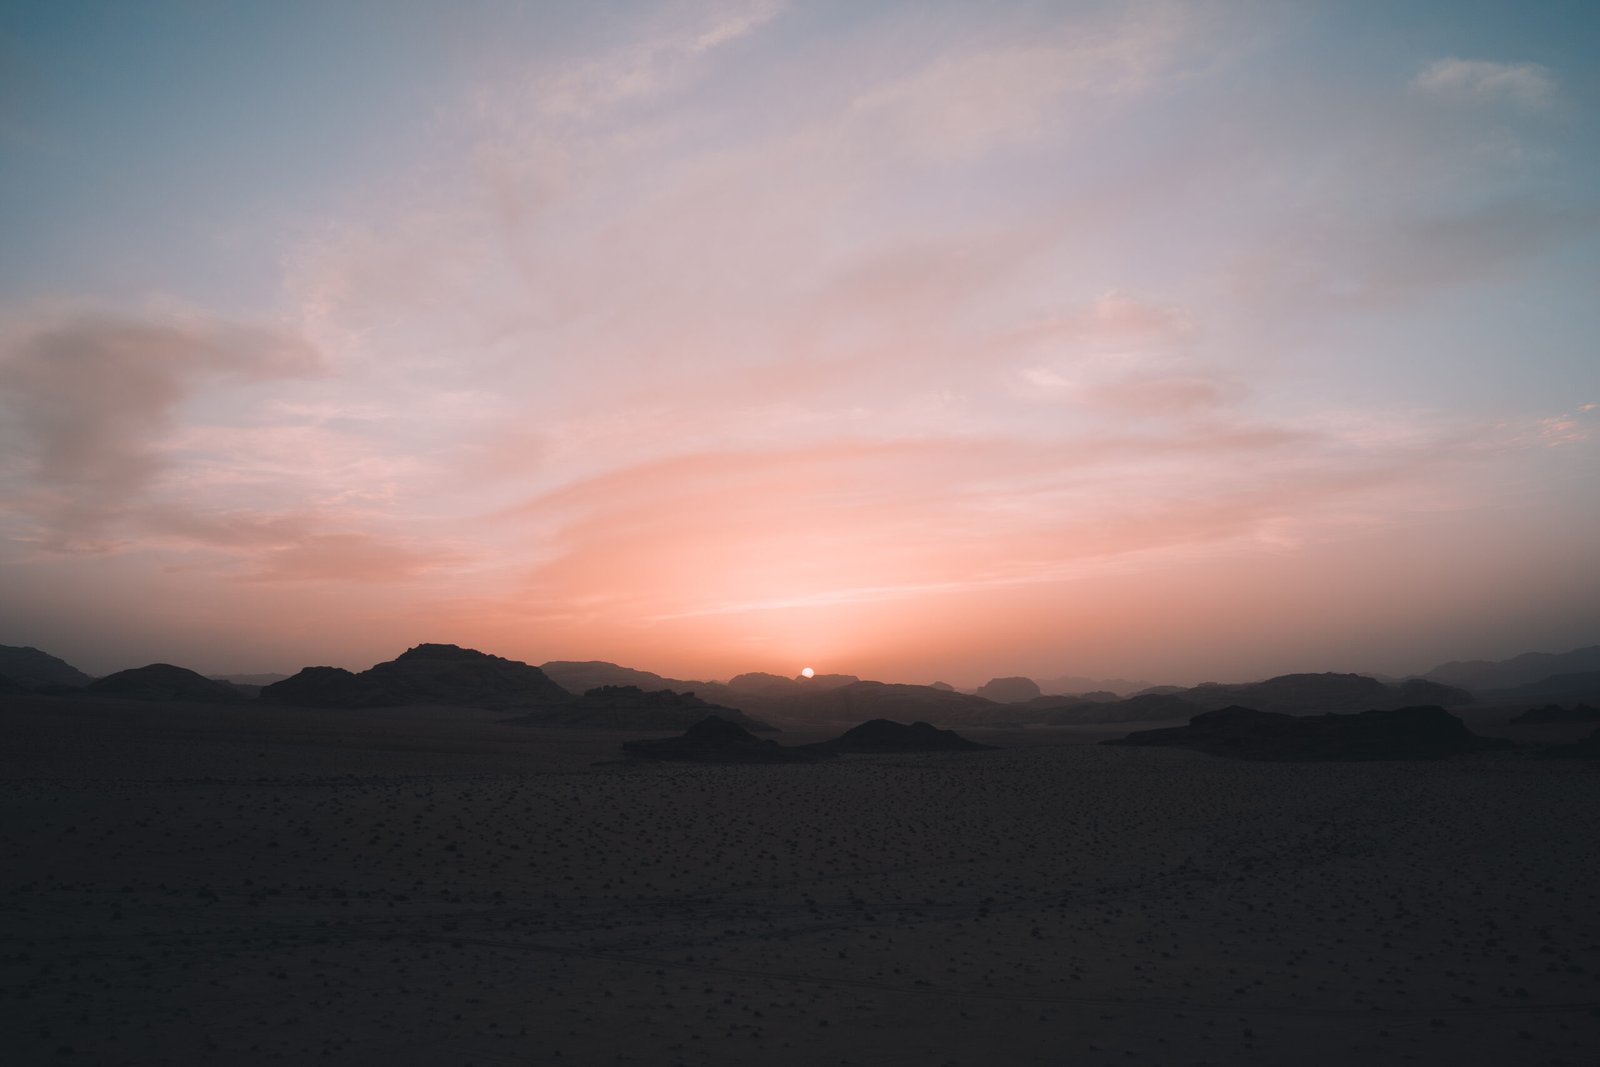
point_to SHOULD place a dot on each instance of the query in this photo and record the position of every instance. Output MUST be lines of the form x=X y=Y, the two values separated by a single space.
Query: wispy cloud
x=1527 y=85
x=91 y=400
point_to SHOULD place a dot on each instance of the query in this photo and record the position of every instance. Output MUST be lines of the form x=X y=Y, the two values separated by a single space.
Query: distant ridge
x=1518 y=671
x=580 y=676
x=1289 y=694
x=1008 y=690
x=627 y=707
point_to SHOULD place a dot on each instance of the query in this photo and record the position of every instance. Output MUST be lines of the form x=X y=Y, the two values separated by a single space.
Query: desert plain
x=242 y=884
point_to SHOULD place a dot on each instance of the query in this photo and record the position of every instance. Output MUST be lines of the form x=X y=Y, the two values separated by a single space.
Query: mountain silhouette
x=1385 y=734
x=163 y=681
x=426 y=674
x=33 y=670
x=757 y=681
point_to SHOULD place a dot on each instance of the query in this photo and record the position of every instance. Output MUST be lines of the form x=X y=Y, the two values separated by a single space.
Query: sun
x=807 y=672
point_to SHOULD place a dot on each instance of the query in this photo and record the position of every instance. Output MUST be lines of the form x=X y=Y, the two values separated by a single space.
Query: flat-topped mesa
x=1383 y=734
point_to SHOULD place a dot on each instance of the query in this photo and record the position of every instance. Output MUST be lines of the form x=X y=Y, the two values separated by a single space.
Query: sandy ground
x=188 y=885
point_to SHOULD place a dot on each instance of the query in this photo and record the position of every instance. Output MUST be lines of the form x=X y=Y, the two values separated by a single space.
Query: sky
x=1169 y=341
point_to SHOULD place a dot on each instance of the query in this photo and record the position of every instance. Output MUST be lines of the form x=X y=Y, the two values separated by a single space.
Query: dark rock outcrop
x=426 y=674
x=884 y=735
x=1009 y=690
x=34 y=670
x=1388 y=734
x=716 y=740
x=164 y=682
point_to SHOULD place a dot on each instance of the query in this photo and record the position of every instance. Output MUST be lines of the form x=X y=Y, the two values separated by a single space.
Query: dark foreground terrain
x=236 y=884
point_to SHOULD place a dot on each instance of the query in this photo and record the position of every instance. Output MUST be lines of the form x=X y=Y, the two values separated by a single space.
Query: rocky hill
x=426 y=674
x=33 y=670
x=163 y=681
